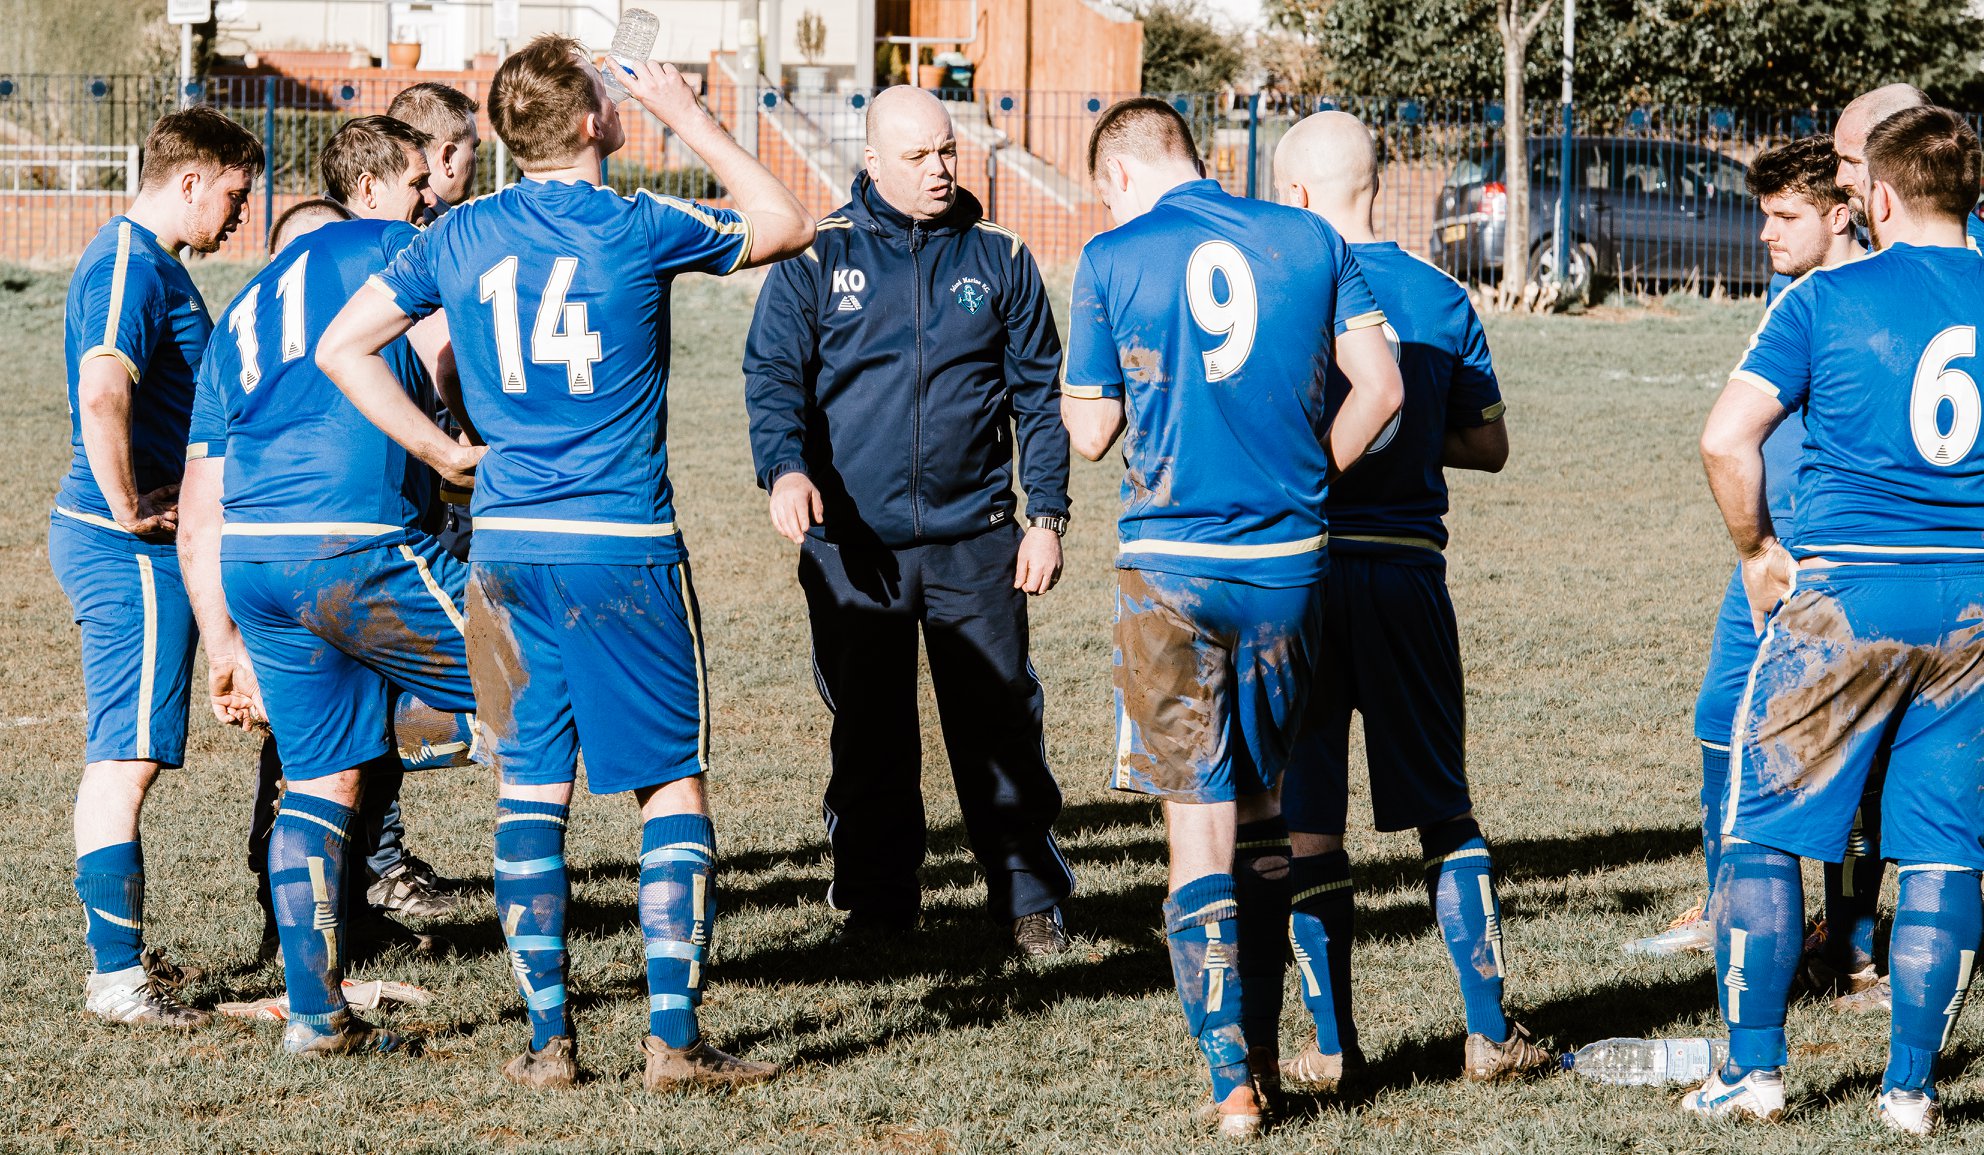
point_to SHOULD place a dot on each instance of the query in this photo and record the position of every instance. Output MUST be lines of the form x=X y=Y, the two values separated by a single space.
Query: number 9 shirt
x=1214 y=319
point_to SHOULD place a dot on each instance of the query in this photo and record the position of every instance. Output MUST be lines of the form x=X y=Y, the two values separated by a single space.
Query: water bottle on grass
x=1647 y=1062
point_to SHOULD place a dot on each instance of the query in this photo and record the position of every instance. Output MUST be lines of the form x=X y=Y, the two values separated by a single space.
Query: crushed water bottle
x=1647 y=1062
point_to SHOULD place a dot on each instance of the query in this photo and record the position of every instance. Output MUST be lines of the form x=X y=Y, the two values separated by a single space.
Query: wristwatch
x=1058 y=524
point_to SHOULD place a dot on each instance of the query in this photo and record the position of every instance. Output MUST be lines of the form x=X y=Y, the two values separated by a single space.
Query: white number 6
x=1935 y=383
x=1238 y=317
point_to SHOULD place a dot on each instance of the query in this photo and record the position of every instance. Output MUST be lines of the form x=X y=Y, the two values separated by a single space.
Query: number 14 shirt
x=557 y=303
x=1881 y=353
x=1214 y=318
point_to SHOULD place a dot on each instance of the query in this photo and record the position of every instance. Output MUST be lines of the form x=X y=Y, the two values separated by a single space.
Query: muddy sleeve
x=1093 y=368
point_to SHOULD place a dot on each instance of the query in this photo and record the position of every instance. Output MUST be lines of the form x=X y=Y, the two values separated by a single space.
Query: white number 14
x=559 y=335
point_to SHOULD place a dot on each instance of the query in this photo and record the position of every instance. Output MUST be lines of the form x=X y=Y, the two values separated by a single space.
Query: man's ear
x=189 y=184
x=1114 y=172
x=1840 y=220
x=363 y=192
x=1295 y=194
x=446 y=158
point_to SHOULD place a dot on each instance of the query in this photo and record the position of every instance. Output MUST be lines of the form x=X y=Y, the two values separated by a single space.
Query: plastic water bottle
x=1646 y=1062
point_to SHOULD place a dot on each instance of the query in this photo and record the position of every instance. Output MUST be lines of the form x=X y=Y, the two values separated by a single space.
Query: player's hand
x=1040 y=561
x=796 y=507
x=459 y=469
x=158 y=514
x=661 y=90
x=233 y=693
x=1767 y=578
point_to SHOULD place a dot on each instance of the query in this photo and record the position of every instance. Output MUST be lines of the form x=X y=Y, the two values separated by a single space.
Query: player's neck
x=1923 y=232
x=584 y=168
x=160 y=215
x=1353 y=224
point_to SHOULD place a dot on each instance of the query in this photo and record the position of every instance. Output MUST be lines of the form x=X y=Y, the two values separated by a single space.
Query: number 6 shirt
x=1214 y=318
x=1881 y=353
x=557 y=303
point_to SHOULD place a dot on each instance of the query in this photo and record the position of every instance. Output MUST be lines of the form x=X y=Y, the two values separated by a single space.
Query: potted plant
x=929 y=73
x=812 y=42
x=403 y=51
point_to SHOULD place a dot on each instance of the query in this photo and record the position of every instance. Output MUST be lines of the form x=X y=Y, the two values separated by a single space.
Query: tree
x=1740 y=53
x=1185 y=50
x=1516 y=30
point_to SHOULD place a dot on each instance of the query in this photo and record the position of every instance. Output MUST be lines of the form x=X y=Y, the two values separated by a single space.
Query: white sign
x=188 y=11
x=505 y=19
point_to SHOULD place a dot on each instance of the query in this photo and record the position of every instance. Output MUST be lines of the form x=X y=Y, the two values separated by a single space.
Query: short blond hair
x=538 y=98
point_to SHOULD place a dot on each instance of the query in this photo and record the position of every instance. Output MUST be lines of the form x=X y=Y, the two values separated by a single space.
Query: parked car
x=1640 y=211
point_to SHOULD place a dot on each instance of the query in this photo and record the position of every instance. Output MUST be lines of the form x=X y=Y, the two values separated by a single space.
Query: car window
x=1641 y=168
x=1597 y=164
x=1475 y=168
x=1709 y=174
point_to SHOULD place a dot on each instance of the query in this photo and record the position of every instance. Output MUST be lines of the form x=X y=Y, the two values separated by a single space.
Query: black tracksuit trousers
x=865 y=603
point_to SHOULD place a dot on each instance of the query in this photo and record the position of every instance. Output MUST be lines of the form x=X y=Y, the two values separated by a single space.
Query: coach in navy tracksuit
x=885 y=374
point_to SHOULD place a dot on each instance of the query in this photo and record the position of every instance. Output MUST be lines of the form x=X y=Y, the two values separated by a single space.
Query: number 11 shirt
x=557 y=303
x=1214 y=318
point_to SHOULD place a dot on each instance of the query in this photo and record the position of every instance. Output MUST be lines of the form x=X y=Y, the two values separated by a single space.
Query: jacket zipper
x=916 y=393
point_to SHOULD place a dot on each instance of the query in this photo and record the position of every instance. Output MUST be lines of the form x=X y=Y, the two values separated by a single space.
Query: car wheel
x=1580 y=273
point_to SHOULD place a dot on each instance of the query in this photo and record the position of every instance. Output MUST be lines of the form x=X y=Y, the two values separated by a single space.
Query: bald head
x=304 y=218
x=912 y=156
x=1327 y=164
x=1849 y=136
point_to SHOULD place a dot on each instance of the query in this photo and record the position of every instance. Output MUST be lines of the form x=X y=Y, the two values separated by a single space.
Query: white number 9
x=1238 y=317
x=1935 y=383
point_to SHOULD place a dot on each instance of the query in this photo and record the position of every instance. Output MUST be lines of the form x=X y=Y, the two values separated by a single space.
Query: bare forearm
x=1093 y=424
x=199 y=557
x=1482 y=447
x=1736 y=478
x=368 y=383
x=105 y=413
x=780 y=225
x=1357 y=425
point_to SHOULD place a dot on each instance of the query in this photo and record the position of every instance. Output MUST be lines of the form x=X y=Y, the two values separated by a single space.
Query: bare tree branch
x=1534 y=22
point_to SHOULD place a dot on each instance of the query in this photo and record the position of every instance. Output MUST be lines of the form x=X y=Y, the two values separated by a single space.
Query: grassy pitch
x=1585 y=578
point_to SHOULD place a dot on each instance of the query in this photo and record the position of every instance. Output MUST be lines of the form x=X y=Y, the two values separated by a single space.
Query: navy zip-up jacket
x=889 y=363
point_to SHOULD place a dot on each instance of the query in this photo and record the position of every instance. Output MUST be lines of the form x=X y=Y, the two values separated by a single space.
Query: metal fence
x=1656 y=196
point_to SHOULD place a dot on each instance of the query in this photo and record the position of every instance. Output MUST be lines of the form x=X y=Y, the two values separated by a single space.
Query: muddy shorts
x=1861 y=662
x=1391 y=652
x=601 y=658
x=138 y=639
x=330 y=637
x=1211 y=677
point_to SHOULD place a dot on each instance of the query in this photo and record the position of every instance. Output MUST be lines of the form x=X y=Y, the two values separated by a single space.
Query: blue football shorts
x=1859 y=663
x=138 y=639
x=1211 y=677
x=330 y=639
x=1391 y=652
x=601 y=659
x=1731 y=652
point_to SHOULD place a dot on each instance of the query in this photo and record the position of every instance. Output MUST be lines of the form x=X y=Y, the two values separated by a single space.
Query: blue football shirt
x=131 y=299
x=1785 y=447
x=1880 y=353
x=557 y=302
x=307 y=476
x=1214 y=318
x=1395 y=497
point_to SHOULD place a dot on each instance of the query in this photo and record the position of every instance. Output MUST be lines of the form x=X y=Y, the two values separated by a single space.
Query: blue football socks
x=532 y=891
x=1715 y=794
x=1759 y=931
x=1321 y=917
x=678 y=912
x=111 y=884
x=1260 y=885
x=308 y=850
x=1460 y=879
x=1853 y=893
x=1938 y=923
x=1201 y=925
